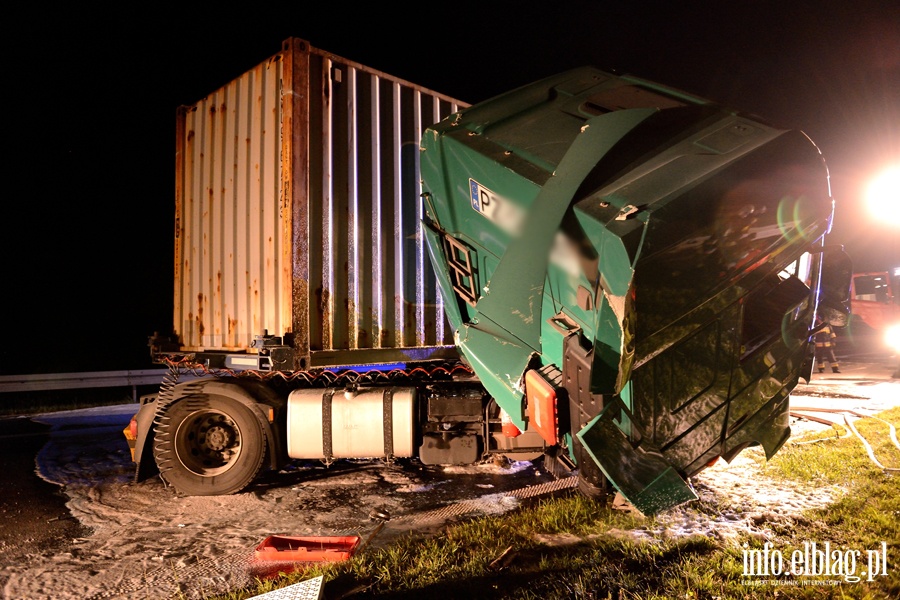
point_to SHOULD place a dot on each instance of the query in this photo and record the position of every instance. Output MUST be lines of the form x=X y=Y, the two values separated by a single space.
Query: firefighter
x=825 y=349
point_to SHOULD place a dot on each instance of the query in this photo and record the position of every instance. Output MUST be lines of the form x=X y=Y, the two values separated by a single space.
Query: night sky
x=91 y=94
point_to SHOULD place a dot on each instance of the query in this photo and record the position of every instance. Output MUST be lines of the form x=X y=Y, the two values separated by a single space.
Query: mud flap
x=640 y=472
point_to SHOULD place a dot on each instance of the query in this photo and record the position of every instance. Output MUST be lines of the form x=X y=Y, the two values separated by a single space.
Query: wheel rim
x=208 y=442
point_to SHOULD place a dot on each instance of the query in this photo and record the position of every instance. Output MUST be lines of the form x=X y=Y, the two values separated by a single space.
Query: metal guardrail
x=70 y=381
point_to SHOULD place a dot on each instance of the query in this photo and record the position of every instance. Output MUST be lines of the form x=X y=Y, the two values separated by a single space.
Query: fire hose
x=801 y=412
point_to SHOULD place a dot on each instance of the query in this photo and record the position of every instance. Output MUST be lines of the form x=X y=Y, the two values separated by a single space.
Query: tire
x=209 y=445
x=591 y=483
x=592 y=490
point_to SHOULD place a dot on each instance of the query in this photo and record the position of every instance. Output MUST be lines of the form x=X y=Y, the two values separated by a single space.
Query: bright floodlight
x=892 y=337
x=884 y=196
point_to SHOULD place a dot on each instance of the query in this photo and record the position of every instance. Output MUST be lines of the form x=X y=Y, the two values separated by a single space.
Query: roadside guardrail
x=69 y=381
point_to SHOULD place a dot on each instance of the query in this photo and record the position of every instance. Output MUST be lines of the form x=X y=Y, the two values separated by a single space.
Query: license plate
x=503 y=212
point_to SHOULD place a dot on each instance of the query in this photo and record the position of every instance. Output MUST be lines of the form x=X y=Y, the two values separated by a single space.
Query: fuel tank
x=354 y=423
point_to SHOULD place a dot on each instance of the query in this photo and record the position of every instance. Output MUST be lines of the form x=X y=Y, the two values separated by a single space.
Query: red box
x=307 y=549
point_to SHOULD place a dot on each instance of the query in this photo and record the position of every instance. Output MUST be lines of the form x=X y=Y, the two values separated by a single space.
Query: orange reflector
x=130 y=434
x=541 y=406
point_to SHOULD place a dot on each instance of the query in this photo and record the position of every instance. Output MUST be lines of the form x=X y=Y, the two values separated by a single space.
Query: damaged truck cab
x=630 y=271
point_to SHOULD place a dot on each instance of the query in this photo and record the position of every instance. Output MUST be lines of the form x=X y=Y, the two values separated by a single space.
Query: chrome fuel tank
x=362 y=423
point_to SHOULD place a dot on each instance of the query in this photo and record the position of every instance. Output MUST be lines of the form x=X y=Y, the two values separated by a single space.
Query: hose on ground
x=799 y=411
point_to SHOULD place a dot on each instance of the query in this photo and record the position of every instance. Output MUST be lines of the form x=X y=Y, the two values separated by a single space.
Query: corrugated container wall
x=298 y=210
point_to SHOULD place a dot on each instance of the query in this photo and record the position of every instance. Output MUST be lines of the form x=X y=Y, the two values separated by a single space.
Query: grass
x=582 y=558
x=833 y=459
x=570 y=547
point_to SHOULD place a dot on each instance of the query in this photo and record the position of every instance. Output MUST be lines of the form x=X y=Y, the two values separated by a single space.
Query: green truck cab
x=632 y=271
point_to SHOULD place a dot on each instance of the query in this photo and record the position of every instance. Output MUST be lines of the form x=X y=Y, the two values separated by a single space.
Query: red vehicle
x=875 y=300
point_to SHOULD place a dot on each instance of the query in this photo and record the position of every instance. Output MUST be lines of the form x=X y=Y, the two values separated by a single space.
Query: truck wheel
x=590 y=489
x=591 y=482
x=209 y=445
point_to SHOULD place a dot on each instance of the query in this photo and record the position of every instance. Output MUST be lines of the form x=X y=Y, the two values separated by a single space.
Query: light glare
x=884 y=196
x=892 y=337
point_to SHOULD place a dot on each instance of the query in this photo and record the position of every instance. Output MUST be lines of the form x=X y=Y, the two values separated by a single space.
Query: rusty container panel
x=298 y=210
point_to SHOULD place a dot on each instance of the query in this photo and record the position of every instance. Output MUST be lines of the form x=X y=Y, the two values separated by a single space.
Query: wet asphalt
x=33 y=512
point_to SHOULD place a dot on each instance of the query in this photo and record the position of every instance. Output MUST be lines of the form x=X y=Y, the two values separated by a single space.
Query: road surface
x=94 y=533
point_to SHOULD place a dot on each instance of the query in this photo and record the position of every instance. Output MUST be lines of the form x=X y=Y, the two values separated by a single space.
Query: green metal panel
x=509 y=307
x=641 y=473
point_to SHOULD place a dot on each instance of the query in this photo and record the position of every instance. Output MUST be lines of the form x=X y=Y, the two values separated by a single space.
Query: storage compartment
x=362 y=423
x=450 y=449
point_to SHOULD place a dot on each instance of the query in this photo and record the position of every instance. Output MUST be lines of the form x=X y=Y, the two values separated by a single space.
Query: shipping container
x=298 y=212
